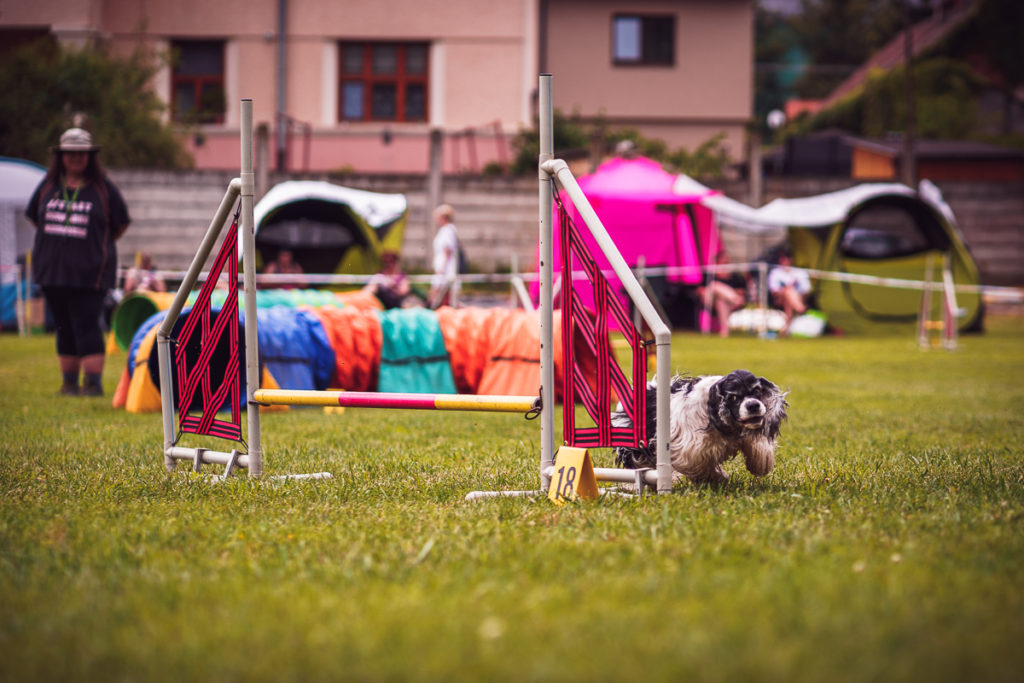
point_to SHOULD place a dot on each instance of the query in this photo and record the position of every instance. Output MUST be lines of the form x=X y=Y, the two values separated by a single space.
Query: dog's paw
x=719 y=476
x=759 y=456
x=713 y=477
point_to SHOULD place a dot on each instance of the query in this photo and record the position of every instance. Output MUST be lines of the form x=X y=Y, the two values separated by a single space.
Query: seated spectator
x=725 y=293
x=788 y=287
x=284 y=264
x=142 y=277
x=390 y=284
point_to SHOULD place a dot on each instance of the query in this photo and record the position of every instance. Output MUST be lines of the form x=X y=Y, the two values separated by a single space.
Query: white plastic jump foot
x=479 y=495
x=217 y=478
x=301 y=477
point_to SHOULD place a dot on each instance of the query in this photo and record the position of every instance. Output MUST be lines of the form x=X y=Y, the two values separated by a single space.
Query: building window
x=643 y=40
x=197 y=80
x=383 y=82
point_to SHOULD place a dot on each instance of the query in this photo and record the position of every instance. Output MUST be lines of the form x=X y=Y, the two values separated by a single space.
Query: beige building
x=361 y=85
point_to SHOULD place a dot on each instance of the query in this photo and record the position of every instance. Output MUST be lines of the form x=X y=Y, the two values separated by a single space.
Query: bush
x=47 y=89
x=946 y=93
x=569 y=133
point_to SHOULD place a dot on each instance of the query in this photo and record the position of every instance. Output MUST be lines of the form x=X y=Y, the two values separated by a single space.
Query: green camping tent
x=328 y=228
x=885 y=230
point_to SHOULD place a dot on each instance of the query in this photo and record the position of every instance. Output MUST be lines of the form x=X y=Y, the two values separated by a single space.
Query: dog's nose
x=752 y=408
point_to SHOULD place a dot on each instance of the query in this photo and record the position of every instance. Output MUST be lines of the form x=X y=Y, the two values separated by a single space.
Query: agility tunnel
x=359 y=348
x=133 y=311
x=294 y=353
x=136 y=308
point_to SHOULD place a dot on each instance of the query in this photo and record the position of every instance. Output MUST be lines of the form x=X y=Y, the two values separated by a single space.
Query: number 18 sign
x=573 y=476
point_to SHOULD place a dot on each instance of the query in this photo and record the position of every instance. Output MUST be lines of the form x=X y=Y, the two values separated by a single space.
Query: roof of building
x=924 y=34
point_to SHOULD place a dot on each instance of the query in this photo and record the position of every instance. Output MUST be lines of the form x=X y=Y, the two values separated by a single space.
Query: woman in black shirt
x=78 y=213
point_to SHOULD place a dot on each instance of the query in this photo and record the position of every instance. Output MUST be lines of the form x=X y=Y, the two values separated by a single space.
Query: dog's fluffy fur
x=712 y=418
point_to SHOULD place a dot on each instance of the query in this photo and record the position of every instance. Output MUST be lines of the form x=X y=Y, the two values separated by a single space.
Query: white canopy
x=18 y=180
x=377 y=209
x=806 y=212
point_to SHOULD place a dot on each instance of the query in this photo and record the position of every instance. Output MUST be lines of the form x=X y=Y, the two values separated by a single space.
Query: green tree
x=992 y=41
x=567 y=132
x=946 y=93
x=840 y=35
x=779 y=60
x=983 y=52
x=708 y=160
x=45 y=87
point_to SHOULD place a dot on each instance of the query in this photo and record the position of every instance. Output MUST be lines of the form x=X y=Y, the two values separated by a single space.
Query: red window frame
x=400 y=79
x=198 y=83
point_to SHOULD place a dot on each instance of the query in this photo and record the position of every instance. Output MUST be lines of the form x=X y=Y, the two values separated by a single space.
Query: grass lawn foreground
x=887 y=545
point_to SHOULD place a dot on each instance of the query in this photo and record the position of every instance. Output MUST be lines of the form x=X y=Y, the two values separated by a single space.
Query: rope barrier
x=1009 y=293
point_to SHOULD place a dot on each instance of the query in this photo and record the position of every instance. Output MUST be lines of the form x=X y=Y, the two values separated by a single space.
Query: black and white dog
x=712 y=418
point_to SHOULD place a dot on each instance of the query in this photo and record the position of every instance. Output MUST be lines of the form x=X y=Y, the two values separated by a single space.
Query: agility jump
x=196 y=381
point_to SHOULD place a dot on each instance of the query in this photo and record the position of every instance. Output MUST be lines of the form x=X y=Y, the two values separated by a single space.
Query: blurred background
x=437 y=101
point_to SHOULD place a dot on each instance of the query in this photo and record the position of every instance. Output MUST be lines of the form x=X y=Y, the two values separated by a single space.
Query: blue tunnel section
x=293 y=348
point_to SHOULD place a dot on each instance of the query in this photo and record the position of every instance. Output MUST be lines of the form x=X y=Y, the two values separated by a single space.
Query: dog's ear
x=775 y=405
x=717 y=407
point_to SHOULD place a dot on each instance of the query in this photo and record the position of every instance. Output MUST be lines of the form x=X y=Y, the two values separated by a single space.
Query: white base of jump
x=648 y=477
x=301 y=477
x=478 y=495
x=231 y=461
x=641 y=480
x=217 y=478
x=204 y=456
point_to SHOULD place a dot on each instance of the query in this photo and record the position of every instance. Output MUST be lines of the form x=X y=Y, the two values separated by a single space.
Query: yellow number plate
x=573 y=476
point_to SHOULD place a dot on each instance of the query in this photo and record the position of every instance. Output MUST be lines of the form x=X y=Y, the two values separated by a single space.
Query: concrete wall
x=991 y=216
x=497 y=217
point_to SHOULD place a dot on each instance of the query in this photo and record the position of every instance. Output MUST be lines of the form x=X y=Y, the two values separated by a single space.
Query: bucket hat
x=76 y=140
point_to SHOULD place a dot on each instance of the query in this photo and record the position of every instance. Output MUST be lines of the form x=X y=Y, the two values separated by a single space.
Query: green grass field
x=887 y=545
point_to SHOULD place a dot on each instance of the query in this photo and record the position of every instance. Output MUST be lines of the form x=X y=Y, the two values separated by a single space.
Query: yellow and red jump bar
x=371 y=399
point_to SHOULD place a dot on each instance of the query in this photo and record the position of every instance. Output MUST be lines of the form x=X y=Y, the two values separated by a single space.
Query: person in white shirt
x=445 y=285
x=789 y=288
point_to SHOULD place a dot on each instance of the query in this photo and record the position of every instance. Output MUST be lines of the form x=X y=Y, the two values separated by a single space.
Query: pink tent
x=635 y=201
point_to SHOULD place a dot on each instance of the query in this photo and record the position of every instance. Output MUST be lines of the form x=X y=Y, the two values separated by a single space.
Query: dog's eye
x=733 y=398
